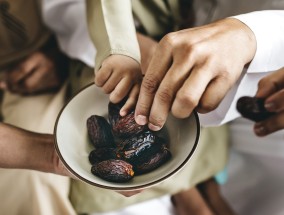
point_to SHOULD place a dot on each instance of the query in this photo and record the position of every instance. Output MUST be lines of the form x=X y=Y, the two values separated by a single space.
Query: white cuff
x=268 y=27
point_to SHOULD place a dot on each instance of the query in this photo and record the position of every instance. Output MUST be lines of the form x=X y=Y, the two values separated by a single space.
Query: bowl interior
x=73 y=145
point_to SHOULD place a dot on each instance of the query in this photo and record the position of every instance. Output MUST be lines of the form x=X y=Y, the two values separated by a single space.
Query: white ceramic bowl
x=73 y=145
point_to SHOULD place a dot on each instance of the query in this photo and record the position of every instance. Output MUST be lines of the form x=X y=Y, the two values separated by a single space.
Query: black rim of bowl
x=137 y=187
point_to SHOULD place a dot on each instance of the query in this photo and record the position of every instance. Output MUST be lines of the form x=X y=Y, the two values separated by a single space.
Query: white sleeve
x=67 y=19
x=268 y=27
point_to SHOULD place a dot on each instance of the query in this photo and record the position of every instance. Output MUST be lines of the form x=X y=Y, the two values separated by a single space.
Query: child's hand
x=120 y=76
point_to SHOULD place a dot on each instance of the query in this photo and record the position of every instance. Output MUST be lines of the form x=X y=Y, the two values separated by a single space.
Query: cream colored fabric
x=209 y=158
x=27 y=192
x=110 y=31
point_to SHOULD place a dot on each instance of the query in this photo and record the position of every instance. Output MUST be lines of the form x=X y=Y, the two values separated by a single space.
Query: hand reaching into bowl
x=271 y=88
x=188 y=71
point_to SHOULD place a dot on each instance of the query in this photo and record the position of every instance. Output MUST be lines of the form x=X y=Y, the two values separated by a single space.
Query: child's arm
x=117 y=68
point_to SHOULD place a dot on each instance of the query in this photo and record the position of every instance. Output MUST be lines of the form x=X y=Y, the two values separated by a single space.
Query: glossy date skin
x=100 y=132
x=123 y=126
x=113 y=170
x=101 y=154
x=152 y=161
x=253 y=108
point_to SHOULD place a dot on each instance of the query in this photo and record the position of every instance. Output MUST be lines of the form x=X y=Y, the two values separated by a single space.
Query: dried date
x=138 y=147
x=153 y=162
x=253 y=108
x=113 y=170
x=99 y=131
x=123 y=126
x=101 y=154
x=122 y=146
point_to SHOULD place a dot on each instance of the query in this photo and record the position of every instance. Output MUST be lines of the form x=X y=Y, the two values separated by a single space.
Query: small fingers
x=121 y=90
x=102 y=76
x=131 y=101
x=111 y=83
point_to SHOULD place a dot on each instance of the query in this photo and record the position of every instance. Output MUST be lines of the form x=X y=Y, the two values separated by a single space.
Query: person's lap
x=26 y=191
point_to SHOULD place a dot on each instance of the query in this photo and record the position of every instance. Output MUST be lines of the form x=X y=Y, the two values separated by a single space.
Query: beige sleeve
x=112 y=29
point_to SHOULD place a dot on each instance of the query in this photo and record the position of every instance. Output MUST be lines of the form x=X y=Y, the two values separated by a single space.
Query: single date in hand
x=253 y=108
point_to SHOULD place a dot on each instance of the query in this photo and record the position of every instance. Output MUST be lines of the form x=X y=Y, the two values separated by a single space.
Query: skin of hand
x=271 y=88
x=35 y=74
x=120 y=76
x=23 y=149
x=147 y=48
x=193 y=68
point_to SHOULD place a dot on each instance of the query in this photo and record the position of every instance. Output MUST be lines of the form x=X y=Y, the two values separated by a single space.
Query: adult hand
x=193 y=68
x=271 y=88
x=35 y=74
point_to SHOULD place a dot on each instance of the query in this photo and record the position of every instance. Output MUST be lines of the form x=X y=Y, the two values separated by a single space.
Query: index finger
x=157 y=69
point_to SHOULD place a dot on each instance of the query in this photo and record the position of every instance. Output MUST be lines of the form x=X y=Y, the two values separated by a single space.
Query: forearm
x=21 y=149
x=112 y=29
x=25 y=150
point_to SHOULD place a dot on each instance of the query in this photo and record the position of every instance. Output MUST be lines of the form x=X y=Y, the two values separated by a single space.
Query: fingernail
x=154 y=127
x=141 y=120
x=269 y=106
x=122 y=113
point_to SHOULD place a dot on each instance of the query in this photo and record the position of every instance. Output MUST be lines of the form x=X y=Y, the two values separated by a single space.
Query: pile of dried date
x=122 y=147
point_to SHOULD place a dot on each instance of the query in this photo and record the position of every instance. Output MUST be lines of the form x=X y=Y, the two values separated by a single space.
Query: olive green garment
x=208 y=159
x=21 y=30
